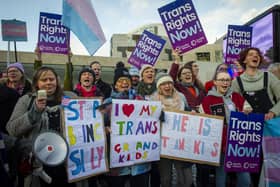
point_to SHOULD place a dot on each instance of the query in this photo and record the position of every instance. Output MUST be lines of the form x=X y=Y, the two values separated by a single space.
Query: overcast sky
x=122 y=16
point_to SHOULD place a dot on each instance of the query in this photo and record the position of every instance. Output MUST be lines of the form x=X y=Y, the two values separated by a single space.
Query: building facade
x=123 y=44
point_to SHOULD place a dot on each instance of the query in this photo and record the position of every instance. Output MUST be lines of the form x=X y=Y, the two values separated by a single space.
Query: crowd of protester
x=24 y=116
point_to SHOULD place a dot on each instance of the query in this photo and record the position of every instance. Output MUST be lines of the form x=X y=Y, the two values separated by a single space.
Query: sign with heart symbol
x=128 y=109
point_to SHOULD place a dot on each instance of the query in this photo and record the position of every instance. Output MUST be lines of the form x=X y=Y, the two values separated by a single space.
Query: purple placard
x=53 y=37
x=147 y=50
x=238 y=38
x=182 y=25
x=244 y=140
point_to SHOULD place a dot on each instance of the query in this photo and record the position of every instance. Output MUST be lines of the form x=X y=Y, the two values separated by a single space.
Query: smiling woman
x=11 y=88
x=221 y=101
x=33 y=115
x=171 y=99
x=138 y=174
x=222 y=82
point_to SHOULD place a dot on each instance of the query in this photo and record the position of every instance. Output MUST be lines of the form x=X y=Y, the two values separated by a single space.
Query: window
x=203 y=56
x=218 y=56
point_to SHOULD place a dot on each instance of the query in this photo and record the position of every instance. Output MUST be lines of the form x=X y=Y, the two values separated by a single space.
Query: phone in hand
x=41 y=94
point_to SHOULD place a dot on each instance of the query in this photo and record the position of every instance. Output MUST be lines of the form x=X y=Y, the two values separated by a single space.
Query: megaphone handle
x=42 y=174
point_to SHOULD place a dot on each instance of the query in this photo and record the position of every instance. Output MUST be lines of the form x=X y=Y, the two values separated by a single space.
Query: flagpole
x=8 y=54
x=15 y=45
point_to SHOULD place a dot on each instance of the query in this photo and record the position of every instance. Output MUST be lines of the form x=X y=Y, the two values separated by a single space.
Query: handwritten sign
x=195 y=138
x=147 y=50
x=238 y=38
x=182 y=25
x=53 y=37
x=244 y=140
x=85 y=135
x=135 y=136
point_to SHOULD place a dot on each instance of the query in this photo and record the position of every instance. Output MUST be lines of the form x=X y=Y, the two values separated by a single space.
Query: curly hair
x=244 y=53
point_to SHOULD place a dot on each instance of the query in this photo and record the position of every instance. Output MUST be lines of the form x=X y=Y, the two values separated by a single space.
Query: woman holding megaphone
x=35 y=113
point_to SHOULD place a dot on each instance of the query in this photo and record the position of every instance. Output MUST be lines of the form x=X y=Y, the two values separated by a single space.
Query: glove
x=162 y=117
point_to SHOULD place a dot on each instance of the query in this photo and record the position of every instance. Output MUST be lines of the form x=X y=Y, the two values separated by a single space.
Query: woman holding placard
x=136 y=175
x=172 y=99
x=221 y=100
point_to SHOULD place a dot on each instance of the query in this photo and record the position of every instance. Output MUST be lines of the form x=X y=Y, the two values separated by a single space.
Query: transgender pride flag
x=80 y=18
x=271 y=152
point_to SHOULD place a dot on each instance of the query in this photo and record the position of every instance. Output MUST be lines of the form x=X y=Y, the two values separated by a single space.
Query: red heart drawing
x=128 y=109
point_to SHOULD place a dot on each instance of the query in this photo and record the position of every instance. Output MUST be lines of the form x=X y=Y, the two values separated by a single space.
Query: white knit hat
x=162 y=78
x=143 y=68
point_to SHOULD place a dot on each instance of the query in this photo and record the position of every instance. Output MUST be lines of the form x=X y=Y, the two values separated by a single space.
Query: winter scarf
x=144 y=89
x=170 y=102
x=190 y=85
x=83 y=92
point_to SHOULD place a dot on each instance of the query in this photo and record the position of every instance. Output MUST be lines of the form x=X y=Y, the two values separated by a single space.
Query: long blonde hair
x=173 y=102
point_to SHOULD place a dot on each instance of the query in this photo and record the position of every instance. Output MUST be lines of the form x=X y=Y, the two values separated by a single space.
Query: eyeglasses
x=187 y=72
x=122 y=80
x=223 y=69
x=13 y=71
x=224 y=80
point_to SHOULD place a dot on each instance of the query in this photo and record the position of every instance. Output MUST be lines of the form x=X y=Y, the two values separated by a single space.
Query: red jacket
x=192 y=101
x=210 y=101
x=208 y=85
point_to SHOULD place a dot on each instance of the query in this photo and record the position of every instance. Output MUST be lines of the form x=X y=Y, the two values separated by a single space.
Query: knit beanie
x=121 y=72
x=119 y=64
x=143 y=68
x=162 y=78
x=133 y=71
x=89 y=70
x=17 y=65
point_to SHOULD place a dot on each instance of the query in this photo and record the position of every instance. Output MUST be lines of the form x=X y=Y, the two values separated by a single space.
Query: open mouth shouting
x=86 y=82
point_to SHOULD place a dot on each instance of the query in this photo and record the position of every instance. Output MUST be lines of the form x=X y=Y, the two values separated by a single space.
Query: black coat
x=8 y=100
x=104 y=87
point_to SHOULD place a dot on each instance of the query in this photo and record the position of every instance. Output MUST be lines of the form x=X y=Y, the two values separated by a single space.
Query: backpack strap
x=265 y=80
x=240 y=84
x=31 y=101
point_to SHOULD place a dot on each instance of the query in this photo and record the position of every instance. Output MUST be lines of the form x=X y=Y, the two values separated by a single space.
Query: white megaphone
x=51 y=149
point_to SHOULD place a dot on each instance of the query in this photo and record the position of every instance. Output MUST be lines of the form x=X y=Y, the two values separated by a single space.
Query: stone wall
x=78 y=61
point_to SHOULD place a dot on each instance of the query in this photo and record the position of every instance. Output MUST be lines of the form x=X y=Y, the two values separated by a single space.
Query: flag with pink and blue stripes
x=271 y=152
x=80 y=18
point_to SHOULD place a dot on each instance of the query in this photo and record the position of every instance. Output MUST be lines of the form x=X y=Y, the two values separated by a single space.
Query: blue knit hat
x=133 y=71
